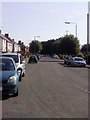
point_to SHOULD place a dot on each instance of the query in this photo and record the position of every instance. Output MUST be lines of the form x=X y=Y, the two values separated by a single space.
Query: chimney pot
x=7 y=35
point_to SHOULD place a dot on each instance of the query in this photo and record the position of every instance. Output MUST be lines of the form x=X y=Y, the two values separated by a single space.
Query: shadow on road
x=5 y=97
x=64 y=65
x=48 y=61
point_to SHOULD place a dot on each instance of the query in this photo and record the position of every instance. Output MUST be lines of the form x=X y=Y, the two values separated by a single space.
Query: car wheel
x=23 y=75
x=71 y=64
x=15 y=94
x=20 y=78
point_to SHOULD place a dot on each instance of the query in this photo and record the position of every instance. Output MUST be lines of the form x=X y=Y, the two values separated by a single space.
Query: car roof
x=78 y=57
x=2 y=57
x=10 y=54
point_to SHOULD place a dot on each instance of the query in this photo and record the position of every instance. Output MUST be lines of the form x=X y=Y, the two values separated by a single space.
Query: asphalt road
x=50 y=90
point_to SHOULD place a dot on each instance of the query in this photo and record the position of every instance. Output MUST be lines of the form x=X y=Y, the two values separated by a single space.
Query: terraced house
x=7 y=44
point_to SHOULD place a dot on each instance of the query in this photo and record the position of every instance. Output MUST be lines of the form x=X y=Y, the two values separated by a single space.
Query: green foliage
x=35 y=47
x=61 y=56
x=69 y=45
x=85 y=48
x=48 y=47
x=87 y=58
x=80 y=55
x=64 y=45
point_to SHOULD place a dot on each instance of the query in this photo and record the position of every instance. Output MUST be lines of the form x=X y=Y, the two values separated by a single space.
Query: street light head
x=67 y=22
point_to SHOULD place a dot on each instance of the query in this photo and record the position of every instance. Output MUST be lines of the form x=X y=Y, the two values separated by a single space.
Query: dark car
x=33 y=59
x=67 y=60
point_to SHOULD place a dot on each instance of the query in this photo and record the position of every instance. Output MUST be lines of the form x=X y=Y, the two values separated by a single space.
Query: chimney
x=0 y=31
x=6 y=35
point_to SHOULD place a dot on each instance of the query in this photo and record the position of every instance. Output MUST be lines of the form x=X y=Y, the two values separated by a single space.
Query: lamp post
x=35 y=37
x=75 y=26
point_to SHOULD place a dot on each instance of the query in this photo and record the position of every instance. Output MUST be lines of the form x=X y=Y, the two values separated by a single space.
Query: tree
x=47 y=47
x=69 y=45
x=85 y=48
x=55 y=47
x=35 y=47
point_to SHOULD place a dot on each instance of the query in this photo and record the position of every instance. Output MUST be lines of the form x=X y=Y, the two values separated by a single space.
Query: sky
x=45 y=20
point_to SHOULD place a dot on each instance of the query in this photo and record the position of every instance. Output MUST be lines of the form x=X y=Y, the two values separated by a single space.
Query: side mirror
x=19 y=72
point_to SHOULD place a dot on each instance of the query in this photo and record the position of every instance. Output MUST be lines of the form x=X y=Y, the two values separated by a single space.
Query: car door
x=22 y=64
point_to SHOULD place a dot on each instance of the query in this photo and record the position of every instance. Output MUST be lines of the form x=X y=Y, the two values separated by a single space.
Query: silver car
x=20 y=63
x=78 y=61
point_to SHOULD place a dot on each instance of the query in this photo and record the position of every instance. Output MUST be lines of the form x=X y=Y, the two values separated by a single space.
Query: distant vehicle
x=33 y=59
x=67 y=60
x=38 y=56
x=9 y=77
x=55 y=56
x=78 y=61
x=20 y=63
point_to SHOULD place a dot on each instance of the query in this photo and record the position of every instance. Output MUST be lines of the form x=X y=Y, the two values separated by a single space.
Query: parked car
x=55 y=56
x=78 y=61
x=20 y=63
x=9 y=77
x=67 y=60
x=33 y=59
x=38 y=56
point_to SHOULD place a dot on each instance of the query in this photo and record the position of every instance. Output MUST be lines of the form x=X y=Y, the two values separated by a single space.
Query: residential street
x=50 y=90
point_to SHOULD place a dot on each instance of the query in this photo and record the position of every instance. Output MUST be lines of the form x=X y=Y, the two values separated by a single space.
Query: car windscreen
x=78 y=59
x=6 y=65
x=15 y=57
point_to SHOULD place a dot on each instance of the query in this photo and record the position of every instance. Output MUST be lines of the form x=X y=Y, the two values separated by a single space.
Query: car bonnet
x=5 y=75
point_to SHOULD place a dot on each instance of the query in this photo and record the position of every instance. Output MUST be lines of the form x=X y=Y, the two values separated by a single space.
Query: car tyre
x=23 y=75
x=20 y=78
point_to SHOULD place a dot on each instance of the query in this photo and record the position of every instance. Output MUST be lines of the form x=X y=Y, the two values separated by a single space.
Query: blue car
x=9 y=77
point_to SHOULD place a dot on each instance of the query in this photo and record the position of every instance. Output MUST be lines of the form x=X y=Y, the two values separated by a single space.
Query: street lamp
x=35 y=37
x=75 y=26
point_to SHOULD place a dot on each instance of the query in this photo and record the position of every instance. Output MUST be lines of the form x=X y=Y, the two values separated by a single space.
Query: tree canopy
x=85 y=48
x=69 y=45
x=35 y=47
x=63 y=45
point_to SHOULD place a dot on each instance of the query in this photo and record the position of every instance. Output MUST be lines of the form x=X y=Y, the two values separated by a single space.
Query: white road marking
x=82 y=88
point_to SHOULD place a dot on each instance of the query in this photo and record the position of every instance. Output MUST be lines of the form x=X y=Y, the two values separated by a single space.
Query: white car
x=20 y=63
x=55 y=56
x=78 y=61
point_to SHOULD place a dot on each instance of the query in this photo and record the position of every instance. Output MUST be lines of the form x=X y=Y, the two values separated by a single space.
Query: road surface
x=50 y=90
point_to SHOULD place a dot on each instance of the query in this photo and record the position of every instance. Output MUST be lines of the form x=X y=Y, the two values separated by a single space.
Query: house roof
x=3 y=37
x=7 y=39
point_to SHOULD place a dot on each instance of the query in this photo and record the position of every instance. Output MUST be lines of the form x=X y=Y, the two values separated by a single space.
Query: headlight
x=12 y=79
